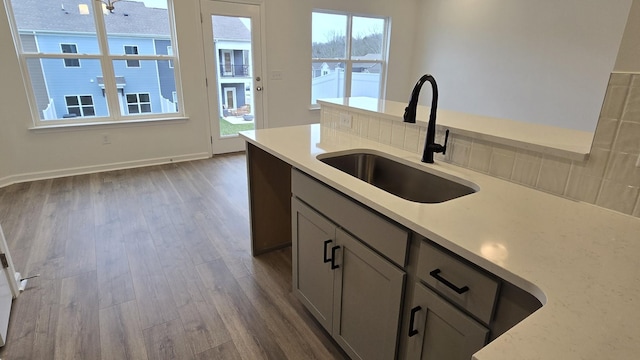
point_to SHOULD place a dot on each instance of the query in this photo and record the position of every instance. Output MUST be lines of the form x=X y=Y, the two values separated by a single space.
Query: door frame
x=225 y=91
x=254 y=8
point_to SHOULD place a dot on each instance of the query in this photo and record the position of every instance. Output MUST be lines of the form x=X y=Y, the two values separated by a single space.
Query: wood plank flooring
x=150 y=263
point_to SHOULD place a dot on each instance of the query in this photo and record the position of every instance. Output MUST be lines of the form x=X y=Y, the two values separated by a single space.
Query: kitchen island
x=579 y=260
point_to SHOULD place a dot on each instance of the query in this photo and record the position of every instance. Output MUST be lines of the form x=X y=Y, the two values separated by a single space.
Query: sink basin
x=399 y=179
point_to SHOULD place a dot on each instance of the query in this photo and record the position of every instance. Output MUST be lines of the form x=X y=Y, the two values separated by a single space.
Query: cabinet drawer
x=371 y=228
x=459 y=282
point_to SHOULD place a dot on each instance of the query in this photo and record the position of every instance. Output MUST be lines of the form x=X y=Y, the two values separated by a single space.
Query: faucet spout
x=430 y=147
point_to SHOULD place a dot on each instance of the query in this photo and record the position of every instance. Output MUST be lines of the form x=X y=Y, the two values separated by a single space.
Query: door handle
x=460 y=290
x=325 y=258
x=259 y=88
x=412 y=330
x=333 y=257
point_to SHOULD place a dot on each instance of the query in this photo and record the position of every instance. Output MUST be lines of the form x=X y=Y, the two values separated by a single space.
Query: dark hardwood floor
x=150 y=263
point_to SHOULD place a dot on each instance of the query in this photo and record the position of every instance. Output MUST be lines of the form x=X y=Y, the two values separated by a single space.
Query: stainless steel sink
x=399 y=179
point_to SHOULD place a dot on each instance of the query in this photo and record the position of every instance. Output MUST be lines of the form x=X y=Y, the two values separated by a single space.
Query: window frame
x=170 y=53
x=132 y=61
x=80 y=106
x=116 y=112
x=75 y=47
x=348 y=61
x=139 y=103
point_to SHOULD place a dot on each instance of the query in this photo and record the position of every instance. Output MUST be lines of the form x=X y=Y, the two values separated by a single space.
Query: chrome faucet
x=430 y=146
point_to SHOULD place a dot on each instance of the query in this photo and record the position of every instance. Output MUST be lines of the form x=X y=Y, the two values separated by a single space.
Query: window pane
x=133 y=109
x=86 y=100
x=53 y=84
x=327 y=80
x=71 y=63
x=88 y=110
x=365 y=79
x=43 y=25
x=71 y=100
x=329 y=36
x=132 y=24
x=131 y=49
x=367 y=38
x=69 y=48
x=152 y=83
x=145 y=108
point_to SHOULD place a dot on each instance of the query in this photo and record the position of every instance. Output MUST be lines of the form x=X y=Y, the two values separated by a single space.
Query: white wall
x=8 y=110
x=288 y=28
x=544 y=61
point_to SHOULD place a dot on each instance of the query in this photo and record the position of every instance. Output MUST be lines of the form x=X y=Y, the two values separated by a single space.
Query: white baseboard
x=51 y=174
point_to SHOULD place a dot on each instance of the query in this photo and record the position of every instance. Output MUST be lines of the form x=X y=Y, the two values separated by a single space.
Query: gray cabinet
x=367 y=301
x=439 y=331
x=355 y=293
x=313 y=238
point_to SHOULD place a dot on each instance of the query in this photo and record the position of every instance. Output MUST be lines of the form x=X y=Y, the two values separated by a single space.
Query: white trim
x=124 y=47
x=235 y=97
x=80 y=106
x=52 y=174
x=170 y=53
x=224 y=64
x=138 y=103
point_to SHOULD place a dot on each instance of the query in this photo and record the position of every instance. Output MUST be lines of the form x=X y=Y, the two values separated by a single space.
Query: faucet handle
x=446 y=140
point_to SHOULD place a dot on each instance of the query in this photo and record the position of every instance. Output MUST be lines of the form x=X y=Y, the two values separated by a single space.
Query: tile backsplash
x=610 y=178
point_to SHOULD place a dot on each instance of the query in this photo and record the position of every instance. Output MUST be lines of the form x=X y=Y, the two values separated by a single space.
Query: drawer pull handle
x=436 y=274
x=325 y=258
x=333 y=257
x=412 y=330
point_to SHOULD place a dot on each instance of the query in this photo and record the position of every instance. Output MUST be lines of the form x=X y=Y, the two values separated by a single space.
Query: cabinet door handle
x=460 y=290
x=412 y=330
x=333 y=257
x=325 y=258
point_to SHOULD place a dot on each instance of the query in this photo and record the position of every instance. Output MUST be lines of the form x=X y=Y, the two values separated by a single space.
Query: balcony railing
x=234 y=70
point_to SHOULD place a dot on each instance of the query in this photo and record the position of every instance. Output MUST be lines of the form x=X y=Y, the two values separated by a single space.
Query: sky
x=324 y=24
x=162 y=4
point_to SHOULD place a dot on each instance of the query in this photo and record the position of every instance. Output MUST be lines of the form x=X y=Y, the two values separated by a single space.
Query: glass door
x=232 y=52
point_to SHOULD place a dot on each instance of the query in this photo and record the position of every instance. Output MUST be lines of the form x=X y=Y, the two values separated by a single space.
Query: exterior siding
x=63 y=81
x=36 y=73
x=166 y=74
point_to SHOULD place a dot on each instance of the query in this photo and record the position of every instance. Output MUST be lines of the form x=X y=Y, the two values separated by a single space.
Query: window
x=79 y=105
x=99 y=54
x=349 y=55
x=131 y=50
x=70 y=49
x=170 y=52
x=138 y=103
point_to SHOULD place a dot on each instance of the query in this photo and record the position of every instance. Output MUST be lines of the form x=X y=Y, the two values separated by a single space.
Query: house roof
x=129 y=17
x=230 y=28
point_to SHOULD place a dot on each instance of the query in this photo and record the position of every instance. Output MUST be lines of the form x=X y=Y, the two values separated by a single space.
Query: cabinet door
x=367 y=300
x=442 y=332
x=312 y=239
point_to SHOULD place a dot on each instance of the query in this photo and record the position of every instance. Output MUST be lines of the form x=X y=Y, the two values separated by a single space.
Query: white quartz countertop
x=566 y=143
x=581 y=261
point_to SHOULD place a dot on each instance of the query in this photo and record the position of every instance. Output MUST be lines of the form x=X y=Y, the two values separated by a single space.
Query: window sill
x=314 y=107
x=149 y=121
